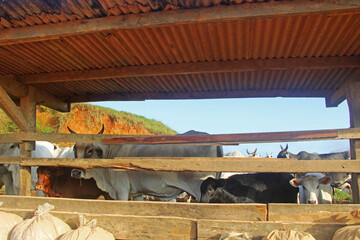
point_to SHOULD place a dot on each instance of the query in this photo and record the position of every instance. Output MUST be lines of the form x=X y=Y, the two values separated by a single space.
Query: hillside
x=86 y=118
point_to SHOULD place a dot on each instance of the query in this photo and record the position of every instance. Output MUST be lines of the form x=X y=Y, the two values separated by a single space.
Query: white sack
x=234 y=236
x=282 y=234
x=43 y=226
x=7 y=222
x=87 y=231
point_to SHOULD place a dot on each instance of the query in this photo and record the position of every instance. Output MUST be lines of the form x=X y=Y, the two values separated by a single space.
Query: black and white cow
x=247 y=188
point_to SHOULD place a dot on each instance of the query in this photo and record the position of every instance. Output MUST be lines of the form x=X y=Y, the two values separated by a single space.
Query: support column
x=28 y=108
x=353 y=98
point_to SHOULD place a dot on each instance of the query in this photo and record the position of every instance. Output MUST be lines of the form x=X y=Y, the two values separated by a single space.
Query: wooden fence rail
x=223 y=139
x=198 y=164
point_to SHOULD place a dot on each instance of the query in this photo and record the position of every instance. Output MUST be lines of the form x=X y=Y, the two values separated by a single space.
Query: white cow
x=314 y=188
x=121 y=185
x=42 y=150
x=64 y=152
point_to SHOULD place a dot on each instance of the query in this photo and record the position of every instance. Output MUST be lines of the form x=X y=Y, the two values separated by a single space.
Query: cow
x=339 y=180
x=314 y=188
x=235 y=154
x=253 y=154
x=57 y=182
x=121 y=185
x=249 y=188
x=42 y=150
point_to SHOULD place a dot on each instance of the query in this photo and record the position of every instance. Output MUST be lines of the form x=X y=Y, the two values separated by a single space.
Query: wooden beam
x=215 y=139
x=353 y=98
x=198 y=95
x=13 y=87
x=196 y=68
x=153 y=19
x=336 y=98
x=12 y=110
x=18 y=89
x=250 y=212
x=324 y=213
x=201 y=164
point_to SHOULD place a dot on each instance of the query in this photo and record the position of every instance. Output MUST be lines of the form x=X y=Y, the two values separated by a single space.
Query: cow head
x=253 y=154
x=311 y=187
x=45 y=176
x=88 y=150
x=284 y=152
x=208 y=187
x=9 y=149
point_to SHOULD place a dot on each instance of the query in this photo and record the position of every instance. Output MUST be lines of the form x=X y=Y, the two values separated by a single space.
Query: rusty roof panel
x=280 y=37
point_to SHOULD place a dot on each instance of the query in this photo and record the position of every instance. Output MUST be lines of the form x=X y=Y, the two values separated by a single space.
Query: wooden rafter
x=221 y=13
x=18 y=89
x=195 y=68
x=13 y=111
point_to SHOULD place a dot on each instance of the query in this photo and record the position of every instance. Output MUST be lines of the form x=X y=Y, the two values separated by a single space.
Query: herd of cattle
x=206 y=187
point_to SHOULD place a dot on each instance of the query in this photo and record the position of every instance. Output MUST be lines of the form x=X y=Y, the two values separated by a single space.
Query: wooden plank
x=128 y=227
x=212 y=229
x=195 y=68
x=9 y=160
x=322 y=213
x=152 y=19
x=253 y=212
x=199 y=164
x=241 y=137
x=12 y=110
x=215 y=139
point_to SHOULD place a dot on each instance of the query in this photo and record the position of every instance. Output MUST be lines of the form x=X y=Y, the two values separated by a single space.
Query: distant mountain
x=87 y=118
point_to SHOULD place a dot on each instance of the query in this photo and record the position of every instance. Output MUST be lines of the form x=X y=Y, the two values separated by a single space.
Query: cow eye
x=318 y=187
x=304 y=188
x=12 y=146
x=90 y=152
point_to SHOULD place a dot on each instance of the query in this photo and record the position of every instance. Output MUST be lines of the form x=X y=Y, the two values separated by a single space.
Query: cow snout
x=39 y=187
x=311 y=201
x=77 y=173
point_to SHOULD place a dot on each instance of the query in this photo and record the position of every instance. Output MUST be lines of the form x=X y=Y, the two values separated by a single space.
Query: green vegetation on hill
x=94 y=115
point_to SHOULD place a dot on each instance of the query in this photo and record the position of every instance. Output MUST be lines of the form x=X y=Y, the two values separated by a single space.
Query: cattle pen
x=55 y=53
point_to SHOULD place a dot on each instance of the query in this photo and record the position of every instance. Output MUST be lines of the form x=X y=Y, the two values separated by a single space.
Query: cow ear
x=295 y=182
x=58 y=172
x=325 y=180
x=99 y=152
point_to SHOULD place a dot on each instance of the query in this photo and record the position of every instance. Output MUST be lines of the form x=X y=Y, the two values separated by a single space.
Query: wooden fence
x=159 y=220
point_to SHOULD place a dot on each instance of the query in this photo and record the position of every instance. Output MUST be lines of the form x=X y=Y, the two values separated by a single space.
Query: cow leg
x=139 y=198
x=8 y=181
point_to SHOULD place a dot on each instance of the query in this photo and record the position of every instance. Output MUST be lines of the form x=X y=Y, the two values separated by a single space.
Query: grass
x=342 y=197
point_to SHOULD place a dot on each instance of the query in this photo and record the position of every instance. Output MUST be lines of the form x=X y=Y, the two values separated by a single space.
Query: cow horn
x=255 y=151
x=281 y=147
x=286 y=148
x=102 y=130
x=247 y=151
x=71 y=131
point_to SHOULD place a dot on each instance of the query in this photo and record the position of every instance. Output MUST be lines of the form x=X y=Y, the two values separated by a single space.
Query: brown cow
x=57 y=182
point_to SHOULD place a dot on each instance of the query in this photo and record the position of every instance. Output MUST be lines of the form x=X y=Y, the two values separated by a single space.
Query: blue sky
x=221 y=116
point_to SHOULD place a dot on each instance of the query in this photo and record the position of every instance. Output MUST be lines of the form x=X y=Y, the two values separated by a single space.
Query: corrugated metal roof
x=21 y=13
x=301 y=36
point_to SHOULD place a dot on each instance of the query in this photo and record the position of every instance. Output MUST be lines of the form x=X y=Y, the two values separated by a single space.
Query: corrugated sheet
x=21 y=13
x=282 y=37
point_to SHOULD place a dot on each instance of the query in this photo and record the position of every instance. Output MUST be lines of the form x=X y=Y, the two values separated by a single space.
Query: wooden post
x=353 y=98
x=28 y=108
